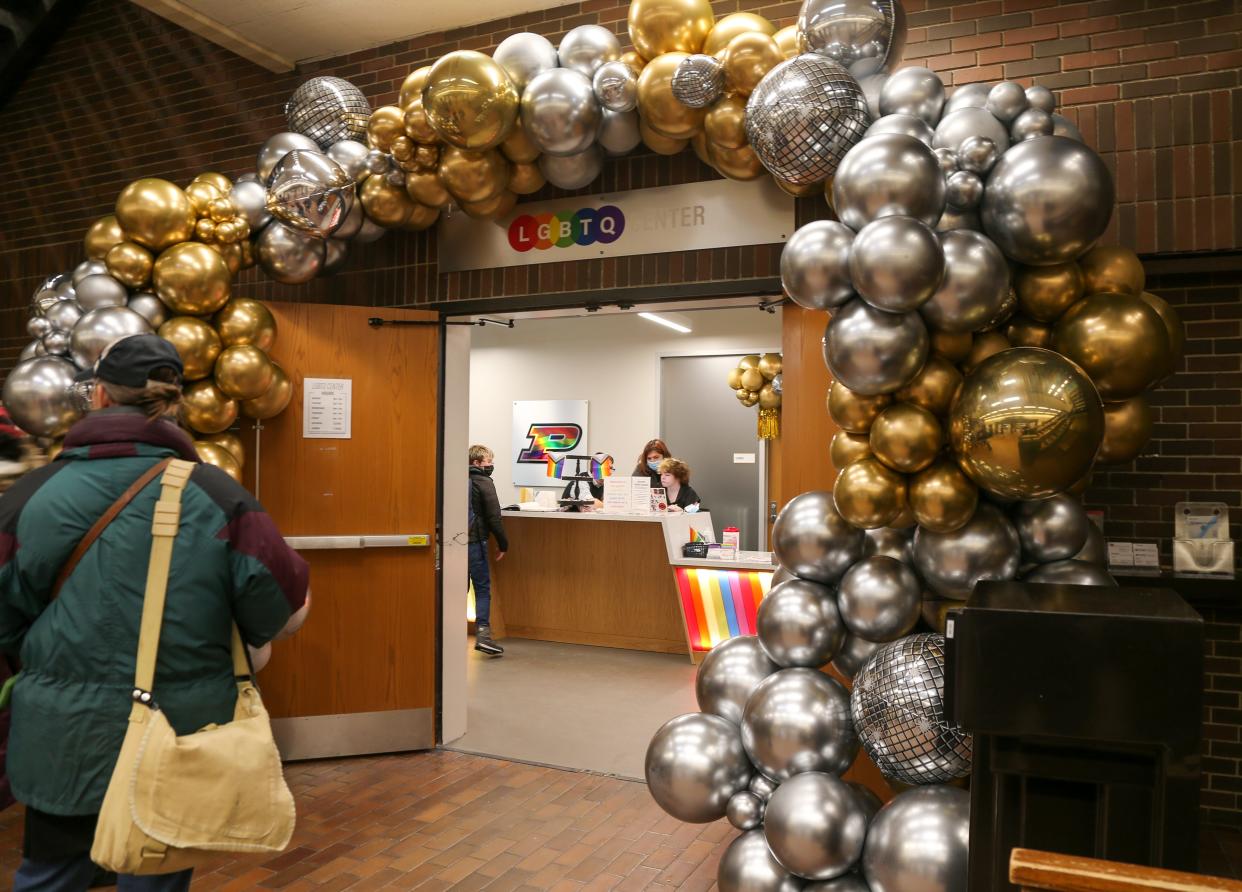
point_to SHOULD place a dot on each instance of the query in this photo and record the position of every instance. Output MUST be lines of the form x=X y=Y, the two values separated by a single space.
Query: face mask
x=654 y=465
x=487 y=470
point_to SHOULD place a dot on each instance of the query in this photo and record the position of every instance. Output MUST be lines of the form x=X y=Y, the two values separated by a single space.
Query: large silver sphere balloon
x=99 y=328
x=287 y=255
x=1031 y=123
x=890 y=542
x=896 y=264
x=873 y=352
x=1041 y=98
x=1095 y=549
x=745 y=810
x=1047 y=201
x=56 y=342
x=749 y=866
x=335 y=253
x=799 y=720
x=763 y=787
x=101 y=290
x=694 y=764
x=618 y=132
x=351 y=224
x=871 y=85
x=898 y=710
x=907 y=124
x=572 y=171
x=954 y=218
x=729 y=674
x=815 y=270
x=559 y=112
x=279 y=146
x=585 y=48
x=963 y=190
x=914 y=91
x=815 y=825
x=958 y=126
x=31 y=351
x=352 y=156
x=986 y=547
x=150 y=308
x=975 y=284
x=1063 y=126
x=813 y=541
x=978 y=154
x=38 y=398
x=328 y=109
x=866 y=36
x=64 y=314
x=920 y=841
x=1054 y=529
x=1072 y=573
x=803 y=118
x=779 y=575
x=524 y=56
x=851 y=882
x=798 y=624
x=369 y=231
x=37 y=326
x=698 y=81
x=967 y=96
x=885 y=175
x=88 y=268
x=310 y=192
x=880 y=599
x=616 y=86
x=1006 y=101
x=251 y=197
x=855 y=653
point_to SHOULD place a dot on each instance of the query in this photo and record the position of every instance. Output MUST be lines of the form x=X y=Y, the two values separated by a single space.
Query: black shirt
x=686 y=497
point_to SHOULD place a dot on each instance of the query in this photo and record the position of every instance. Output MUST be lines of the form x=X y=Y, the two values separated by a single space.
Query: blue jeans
x=75 y=875
x=481 y=577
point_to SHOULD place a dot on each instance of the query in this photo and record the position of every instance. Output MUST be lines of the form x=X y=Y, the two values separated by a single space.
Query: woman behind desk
x=675 y=478
x=649 y=460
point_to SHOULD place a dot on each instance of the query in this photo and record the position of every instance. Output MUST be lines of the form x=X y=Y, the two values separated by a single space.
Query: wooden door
x=360 y=675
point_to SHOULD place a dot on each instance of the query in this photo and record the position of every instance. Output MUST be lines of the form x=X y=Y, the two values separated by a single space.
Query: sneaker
x=483 y=642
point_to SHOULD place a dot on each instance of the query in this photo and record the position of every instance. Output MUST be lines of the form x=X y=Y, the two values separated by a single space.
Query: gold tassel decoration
x=769 y=424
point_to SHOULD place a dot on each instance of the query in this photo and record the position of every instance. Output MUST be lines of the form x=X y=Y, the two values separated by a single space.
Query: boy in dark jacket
x=485 y=521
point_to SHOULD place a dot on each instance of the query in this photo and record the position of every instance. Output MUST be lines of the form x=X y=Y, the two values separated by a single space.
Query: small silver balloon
x=967 y=96
x=866 y=36
x=698 y=81
x=99 y=328
x=920 y=840
x=745 y=810
x=524 y=56
x=855 y=653
x=560 y=112
x=880 y=599
x=37 y=326
x=975 y=284
x=815 y=269
x=1041 y=98
x=395 y=177
x=37 y=395
x=616 y=86
x=813 y=541
x=618 y=132
x=986 y=547
x=1095 y=549
x=88 y=268
x=896 y=263
x=40 y=349
x=953 y=218
x=729 y=674
x=572 y=171
x=65 y=290
x=947 y=159
x=101 y=290
x=150 y=308
x=287 y=255
x=963 y=190
x=969 y=121
x=885 y=175
x=873 y=352
x=914 y=91
x=351 y=224
x=251 y=197
x=310 y=192
x=64 y=314
x=335 y=253
x=328 y=109
x=890 y=542
x=763 y=787
x=694 y=764
x=378 y=163
x=799 y=720
x=907 y=124
x=850 y=882
x=1006 y=101
x=1031 y=123
x=585 y=48
x=1053 y=529
x=815 y=825
x=749 y=866
x=369 y=231
x=799 y=625
x=978 y=154
x=56 y=343
x=248 y=177
x=1072 y=573
x=277 y=147
x=779 y=575
x=352 y=156
x=778 y=383
x=1063 y=126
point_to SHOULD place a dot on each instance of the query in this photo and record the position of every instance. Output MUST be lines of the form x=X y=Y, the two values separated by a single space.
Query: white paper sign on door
x=327 y=408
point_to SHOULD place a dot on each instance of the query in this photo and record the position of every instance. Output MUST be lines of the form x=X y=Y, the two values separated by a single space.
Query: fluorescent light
x=667 y=323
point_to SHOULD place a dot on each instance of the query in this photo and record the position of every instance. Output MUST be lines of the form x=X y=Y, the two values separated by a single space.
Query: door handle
x=315 y=543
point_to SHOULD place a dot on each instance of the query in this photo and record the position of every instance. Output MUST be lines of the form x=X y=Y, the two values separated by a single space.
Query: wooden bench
x=1030 y=869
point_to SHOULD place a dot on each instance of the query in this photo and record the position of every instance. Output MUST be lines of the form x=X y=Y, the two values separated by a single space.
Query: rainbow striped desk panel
x=720 y=604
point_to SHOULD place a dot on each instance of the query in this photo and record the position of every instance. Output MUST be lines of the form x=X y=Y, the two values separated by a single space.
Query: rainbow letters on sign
x=720 y=604
x=586 y=226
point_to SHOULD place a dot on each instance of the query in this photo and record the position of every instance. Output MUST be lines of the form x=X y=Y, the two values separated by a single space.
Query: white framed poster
x=327 y=408
x=543 y=429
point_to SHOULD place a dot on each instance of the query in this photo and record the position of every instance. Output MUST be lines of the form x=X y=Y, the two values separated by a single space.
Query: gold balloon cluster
x=757 y=382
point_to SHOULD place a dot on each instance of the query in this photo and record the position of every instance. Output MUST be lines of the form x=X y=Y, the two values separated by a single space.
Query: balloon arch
x=985 y=353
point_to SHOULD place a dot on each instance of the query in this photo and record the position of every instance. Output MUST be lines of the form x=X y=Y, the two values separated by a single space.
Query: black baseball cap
x=131 y=360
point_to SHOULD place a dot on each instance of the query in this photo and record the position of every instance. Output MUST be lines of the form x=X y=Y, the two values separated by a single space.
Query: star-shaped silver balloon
x=310 y=192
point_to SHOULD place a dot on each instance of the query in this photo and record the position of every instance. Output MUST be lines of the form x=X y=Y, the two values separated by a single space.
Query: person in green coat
x=77 y=651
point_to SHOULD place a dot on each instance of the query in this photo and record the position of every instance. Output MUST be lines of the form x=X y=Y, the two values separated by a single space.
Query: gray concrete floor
x=570 y=706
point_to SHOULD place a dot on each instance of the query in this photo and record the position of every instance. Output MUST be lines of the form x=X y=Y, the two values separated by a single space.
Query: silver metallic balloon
x=1047 y=201
x=914 y=91
x=803 y=118
x=1041 y=98
x=1095 y=549
x=698 y=81
x=978 y=154
x=936 y=611
x=855 y=653
x=251 y=197
x=56 y=342
x=745 y=810
x=890 y=542
x=616 y=86
x=99 y=328
x=749 y=866
x=947 y=159
x=694 y=764
x=378 y=163
x=896 y=263
x=277 y=147
x=618 y=132
x=967 y=96
x=248 y=177
x=310 y=192
x=779 y=575
x=560 y=112
x=1053 y=529
x=1031 y=123
x=920 y=841
x=1063 y=126
x=40 y=349
x=88 y=268
x=328 y=109
x=815 y=269
x=866 y=36
x=898 y=709
x=369 y=231
x=572 y=171
x=815 y=825
x=524 y=56
x=871 y=85
x=953 y=218
x=37 y=326
x=763 y=787
x=396 y=176
x=885 y=175
x=352 y=156
x=813 y=541
x=31 y=351
x=65 y=290
x=64 y=314
x=963 y=190
x=38 y=398
x=968 y=121
x=850 y=882
x=585 y=48
x=101 y=290
x=907 y=124
x=335 y=253
x=799 y=720
x=975 y=284
x=873 y=352
x=351 y=224
x=287 y=255
x=150 y=308
x=729 y=674
x=986 y=547
x=1072 y=573
x=869 y=801
x=778 y=383
x=1006 y=101
x=798 y=624
x=879 y=599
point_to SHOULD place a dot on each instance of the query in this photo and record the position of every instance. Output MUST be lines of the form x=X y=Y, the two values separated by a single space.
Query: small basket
x=694 y=550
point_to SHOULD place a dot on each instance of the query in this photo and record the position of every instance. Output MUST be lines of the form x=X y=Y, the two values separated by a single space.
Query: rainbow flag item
x=720 y=604
x=601 y=467
x=556 y=467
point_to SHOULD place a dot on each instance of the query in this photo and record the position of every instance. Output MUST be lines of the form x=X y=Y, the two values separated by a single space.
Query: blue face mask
x=654 y=465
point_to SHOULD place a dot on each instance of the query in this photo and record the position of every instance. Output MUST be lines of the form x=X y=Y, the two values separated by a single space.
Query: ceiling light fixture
x=667 y=323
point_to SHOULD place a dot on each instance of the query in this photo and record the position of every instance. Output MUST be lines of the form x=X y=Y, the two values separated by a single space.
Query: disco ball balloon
x=745 y=810
x=919 y=841
x=99 y=328
x=879 y=599
x=1072 y=573
x=885 y=175
x=913 y=91
x=699 y=81
x=525 y=55
x=310 y=192
x=866 y=36
x=616 y=86
x=813 y=541
x=952 y=563
x=804 y=116
x=749 y=866
x=975 y=284
x=328 y=109
x=873 y=352
x=854 y=654
x=799 y=720
x=729 y=674
x=799 y=625
x=694 y=764
x=1054 y=529
x=898 y=709
x=815 y=270
x=37 y=395
x=815 y=825
x=559 y=112
x=585 y=48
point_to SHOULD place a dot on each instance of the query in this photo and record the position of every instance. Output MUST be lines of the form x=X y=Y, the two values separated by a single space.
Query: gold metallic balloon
x=738 y=164
x=222 y=183
x=205 y=230
x=206 y=409
x=104 y=234
x=1023 y=332
x=731 y=26
x=1081 y=486
x=787 y=40
x=201 y=194
x=942 y=498
x=403 y=148
x=243 y=372
x=1119 y=340
x=905 y=519
x=386 y=204
x=229 y=442
x=701 y=147
x=869 y=495
x=246 y=321
x=770 y=364
x=385 y=124
x=1112 y=268
x=934 y=387
x=749 y=361
x=1127 y=428
x=747 y=58
x=742 y=395
x=130 y=264
x=657 y=105
x=906 y=437
x=847 y=448
x=197 y=344
x=751 y=399
x=1045 y=292
x=274 y=401
x=412 y=87
x=473 y=176
x=235 y=255
x=1027 y=424
x=155 y=213
x=636 y=62
x=426 y=188
x=417 y=126
x=734 y=378
x=518 y=148
x=669 y=26
x=470 y=100
x=421 y=217
x=492 y=208
x=768 y=397
x=794 y=189
x=222 y=209
x=217 y=455
x=854 y=412
x=752 y=379
x=525 y=179
x=657 y=142
x=953 y=346
x=1172 y=324
x=192 y=279
x=986 y=344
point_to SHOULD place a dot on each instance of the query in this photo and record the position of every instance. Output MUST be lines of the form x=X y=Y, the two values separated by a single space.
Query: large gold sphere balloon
x=1120 y=341
x=222 y=183
x=1023 y=332
x=752 y=379
x=1027 y=424
x=734 y=378
x=787 y=40
x=985 y=344
x=470 y=100
x=525 y=179
x=206 y=409
x=657 y=105
x=1172 y=324
x=854 y=412
x=244 y=372
x=385 y=124
x=491 y=208
x=412 y=87
x=747 y=58
x=731 y=26
x=906 y=437
x=669 y=26
x=1112 y=268
x=386 y=204
x=749 y=361
x=934 y=387
x=942 y=498
x=1127 y=428
x=635 y=62
x=770 y=364
x=768 y=397
x=217 y=455
x=197 y=344
x=230 y=442
x=426 y=188
x=518 y=147
x=657 y=142
x=1045 y=292
x=192 y=278
x=272 y=403
x=421 y=217
x=847 y=448
x=129 y=264
x=738 y=164
x=104 y=234
x=155 y=213
x=868 y=494
x=473 y=176
x=417 y=125
x=953 y=346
